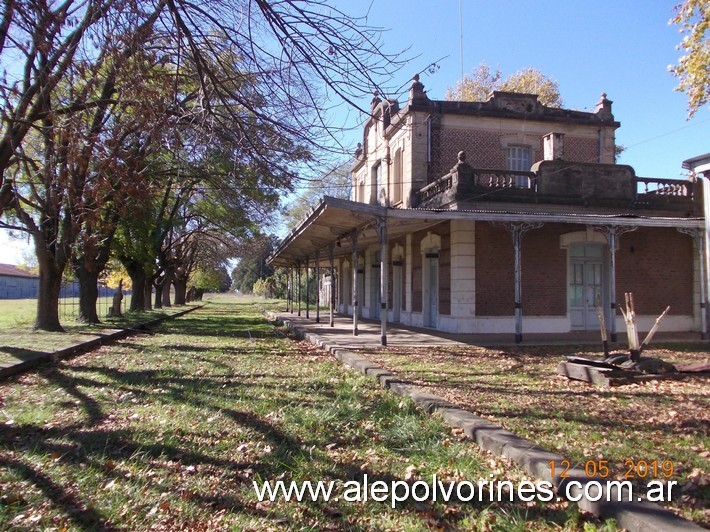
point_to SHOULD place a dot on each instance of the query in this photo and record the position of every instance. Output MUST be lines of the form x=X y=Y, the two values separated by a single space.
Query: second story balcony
x=559 y=182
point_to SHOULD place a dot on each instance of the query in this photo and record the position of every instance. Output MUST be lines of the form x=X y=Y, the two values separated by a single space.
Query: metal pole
x=332 y=285
x=706 y=206
x=611 y=238
x=382 y=226
x=290 y=276
x=298 y=268
x=355 y=301
x=518 y=285
x=317 y=267
x=308 y=285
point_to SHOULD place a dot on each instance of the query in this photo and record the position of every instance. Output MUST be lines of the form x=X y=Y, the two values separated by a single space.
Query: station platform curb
x=635 y=516
x=32 y=361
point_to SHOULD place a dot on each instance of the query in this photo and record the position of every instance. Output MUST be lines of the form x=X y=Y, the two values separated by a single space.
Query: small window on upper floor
x=520 y=159
x=397 y=184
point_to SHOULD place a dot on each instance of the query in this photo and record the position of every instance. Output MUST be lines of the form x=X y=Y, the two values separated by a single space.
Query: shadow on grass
x=90 y=443
x=21 y=352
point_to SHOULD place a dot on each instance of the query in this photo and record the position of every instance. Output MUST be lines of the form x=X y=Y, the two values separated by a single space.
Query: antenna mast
x=461 y=36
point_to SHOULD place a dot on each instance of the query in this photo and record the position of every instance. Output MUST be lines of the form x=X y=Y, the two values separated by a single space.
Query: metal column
x=298 y=269
x=611 y=239
x=517 y=230
x=317 y=268
x=353 y=237
x=517 y=237
x=308 y=286
x=332 y=284
x=382 y=228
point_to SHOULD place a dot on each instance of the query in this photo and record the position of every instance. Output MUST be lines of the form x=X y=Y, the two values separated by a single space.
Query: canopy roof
x=334 y=220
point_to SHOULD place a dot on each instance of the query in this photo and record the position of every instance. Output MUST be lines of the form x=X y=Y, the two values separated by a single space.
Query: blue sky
x=620 y=47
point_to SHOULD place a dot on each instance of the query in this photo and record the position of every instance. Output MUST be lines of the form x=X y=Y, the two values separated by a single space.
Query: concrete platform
x=399 y=335
x=635 y=515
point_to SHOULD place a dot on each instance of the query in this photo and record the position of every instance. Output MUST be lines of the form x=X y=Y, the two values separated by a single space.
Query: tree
x=693 y=68
x=63 y=170
x=336 y=183
x=259 y=89
x=252 y=264
x=477 y=86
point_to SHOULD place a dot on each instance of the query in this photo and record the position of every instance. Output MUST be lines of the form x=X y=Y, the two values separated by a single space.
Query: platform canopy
x=334 y=220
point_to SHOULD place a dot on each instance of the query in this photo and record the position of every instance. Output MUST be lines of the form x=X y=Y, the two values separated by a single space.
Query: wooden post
x=653 y=330
x=602 y=325
x=631 y=329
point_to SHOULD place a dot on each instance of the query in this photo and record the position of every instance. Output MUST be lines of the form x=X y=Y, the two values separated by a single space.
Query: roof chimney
x=553 y=146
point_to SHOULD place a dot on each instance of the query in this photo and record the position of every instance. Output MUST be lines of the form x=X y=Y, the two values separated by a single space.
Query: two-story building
x=504 y=216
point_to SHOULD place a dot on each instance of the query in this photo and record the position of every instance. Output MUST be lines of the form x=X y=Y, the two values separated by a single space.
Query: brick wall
x=483 y=149
x=545 y=271
x=656 y=264
x=495 y=293
x=544 y=276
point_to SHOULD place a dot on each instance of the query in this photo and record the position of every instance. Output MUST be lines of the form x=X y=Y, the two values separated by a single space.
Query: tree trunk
x=166 y=294
x=88 y=294
x=138 y=281
x=180 y=291
x=158 y=300
x=148 y=293
x=50 y=284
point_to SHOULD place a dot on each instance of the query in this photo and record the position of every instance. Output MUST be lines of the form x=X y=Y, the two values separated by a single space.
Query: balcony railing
x=647 y=186
x=482 y=179
x=561 y=182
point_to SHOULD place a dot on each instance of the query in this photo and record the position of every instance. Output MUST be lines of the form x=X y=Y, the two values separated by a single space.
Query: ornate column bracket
x=517 y=230
x=612 y=234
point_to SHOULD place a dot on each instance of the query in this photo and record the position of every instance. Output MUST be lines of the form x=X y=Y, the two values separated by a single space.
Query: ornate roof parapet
x=416 y=91
x=603 y=108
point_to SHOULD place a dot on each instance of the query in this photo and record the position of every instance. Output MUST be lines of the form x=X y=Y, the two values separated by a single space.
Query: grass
x=665 y=421
x=18 y=339
x=169 y=431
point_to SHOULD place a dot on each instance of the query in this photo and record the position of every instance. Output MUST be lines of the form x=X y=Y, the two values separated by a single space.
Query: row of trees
x=161 y=133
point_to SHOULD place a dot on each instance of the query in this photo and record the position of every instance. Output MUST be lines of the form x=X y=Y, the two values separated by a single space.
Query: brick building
x=504 y=216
